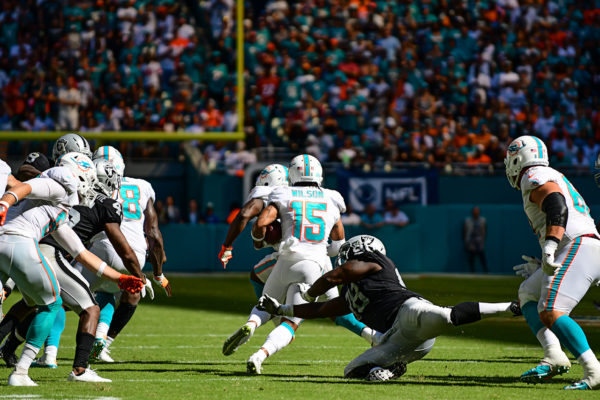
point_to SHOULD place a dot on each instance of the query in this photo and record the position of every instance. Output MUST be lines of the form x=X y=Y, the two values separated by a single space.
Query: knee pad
x=525 y=295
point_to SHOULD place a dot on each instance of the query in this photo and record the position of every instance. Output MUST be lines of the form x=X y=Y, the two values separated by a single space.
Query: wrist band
x=13 y=194
x=159 y=277
x=255 y=238
x=101 y=269
x=5 y=204
x=553 y=238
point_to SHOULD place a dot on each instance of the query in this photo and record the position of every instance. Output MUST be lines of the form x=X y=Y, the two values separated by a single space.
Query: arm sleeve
x=46 y=189
x=68 y=240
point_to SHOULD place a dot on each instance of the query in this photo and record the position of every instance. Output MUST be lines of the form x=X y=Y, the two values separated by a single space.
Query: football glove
x=527 y=269
x=3 y=210
x=163 y=282
x=549 y=266
x=132 y=284
x=272 y=306
x=304 y=292
x=147 y=289
x=225 y=255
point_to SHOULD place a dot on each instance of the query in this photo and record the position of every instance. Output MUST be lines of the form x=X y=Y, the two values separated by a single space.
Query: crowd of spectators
x=433 y=81
x=354 y=81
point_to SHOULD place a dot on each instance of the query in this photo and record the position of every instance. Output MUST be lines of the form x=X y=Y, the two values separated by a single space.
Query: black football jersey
x=375 y=299
x=89 y=221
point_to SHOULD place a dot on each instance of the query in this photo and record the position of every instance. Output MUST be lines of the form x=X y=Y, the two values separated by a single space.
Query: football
x=273 y=234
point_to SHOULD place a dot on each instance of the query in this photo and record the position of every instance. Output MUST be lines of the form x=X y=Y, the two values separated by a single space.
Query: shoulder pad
x=537 y=176
x=338 y=200
x=4 y=168
x=64 y=176
x=260 y=192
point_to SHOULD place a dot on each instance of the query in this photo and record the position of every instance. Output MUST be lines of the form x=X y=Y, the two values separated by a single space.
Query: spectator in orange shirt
x=212 y=117
x=479 y=157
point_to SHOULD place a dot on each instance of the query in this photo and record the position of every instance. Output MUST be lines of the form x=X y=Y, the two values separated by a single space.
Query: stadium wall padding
x=431 y=243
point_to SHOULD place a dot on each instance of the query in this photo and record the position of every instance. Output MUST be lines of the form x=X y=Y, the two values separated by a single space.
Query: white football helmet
x=109 y=180
x=523 y=152
x=113 y=155
x=71 y=142
x=273 y=175
x=85 y=171
x=357 y=245
x=305 y=168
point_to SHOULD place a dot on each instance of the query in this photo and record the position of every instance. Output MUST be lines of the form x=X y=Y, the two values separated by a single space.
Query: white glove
x=272 y=306
x=527 y=269
x=549 y=266
x=147 y=289
x=304 y=292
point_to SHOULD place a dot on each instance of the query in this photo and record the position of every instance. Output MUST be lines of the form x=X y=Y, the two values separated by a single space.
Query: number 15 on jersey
x=309 y=224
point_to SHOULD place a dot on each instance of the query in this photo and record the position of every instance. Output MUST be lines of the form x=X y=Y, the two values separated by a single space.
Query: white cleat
x=89 y=375
x=105 y=356
x=45 y=361
x=20 y=379
x=379 y=374
x=254 y=364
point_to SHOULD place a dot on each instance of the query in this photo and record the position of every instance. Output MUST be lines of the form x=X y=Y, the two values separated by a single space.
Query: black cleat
x=9 y=359
x=515 y=308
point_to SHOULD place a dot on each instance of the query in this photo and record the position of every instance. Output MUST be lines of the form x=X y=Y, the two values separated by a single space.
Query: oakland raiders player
x=570 y=262
x=140 y=222
x=45 y=212
x=374 y=291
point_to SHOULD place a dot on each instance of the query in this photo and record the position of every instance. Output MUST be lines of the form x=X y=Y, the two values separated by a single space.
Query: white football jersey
x=308 y=214
x=36 y=218
x=579 y=221
x=5 y=172
x=260 y=192
x=133 y=196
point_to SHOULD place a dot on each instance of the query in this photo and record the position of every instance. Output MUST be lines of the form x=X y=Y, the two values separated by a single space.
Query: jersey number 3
x=308 y=225
x=130 y=194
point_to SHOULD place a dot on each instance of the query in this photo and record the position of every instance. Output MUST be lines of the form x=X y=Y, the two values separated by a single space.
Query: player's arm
x=332 y=308
x=123 y=249
x=11 y=182
x=337 y=236
x=250 y=210
x=68 y=239
x=156 y=246
x=27 y=172
x=348 y=272
x=266 y=217
x=550 y=199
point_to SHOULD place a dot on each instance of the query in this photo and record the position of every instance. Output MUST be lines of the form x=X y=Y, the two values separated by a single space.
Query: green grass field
x=172 y=350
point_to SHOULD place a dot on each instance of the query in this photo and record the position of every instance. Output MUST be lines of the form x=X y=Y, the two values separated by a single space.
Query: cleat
x=579 y=385
x=515 y=308
x=9 y=359
x=105 y=356
x=239 y=337
x=97 y=348
x=254 y=364
x=89 y=375
x=20 y=379
x=543 y=373
x=378 y=374
x=45 y=362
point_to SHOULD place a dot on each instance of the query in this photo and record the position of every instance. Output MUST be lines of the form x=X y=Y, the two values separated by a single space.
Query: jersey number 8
x=130 y=194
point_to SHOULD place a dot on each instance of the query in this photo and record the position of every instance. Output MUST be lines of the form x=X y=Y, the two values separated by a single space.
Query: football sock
x=84 y=341
x=27 y=357
x=350 y=322
x=259 y=317
x=588 y=362
x=278 y=338
x=102 y=330
x=58 y=327
x=465 y=313
x=571 y=335
x=258 y=288
x=42 y=323
x=532 y=317
x=494 y=309
x=123 y=314
x=106 y=301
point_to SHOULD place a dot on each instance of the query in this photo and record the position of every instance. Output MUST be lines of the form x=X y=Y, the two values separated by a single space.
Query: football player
x=374 y=291
x=45 y=212
x=6 y=181
x=309 y=215
x=140 y=222
x=570 y=261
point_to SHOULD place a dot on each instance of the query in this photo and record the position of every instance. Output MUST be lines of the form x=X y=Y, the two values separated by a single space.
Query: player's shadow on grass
x=501 y=360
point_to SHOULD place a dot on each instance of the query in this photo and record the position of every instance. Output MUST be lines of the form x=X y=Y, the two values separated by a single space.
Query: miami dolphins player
x=570 y=261
x=139 y=222
x=44 y=212
x=310 y=215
